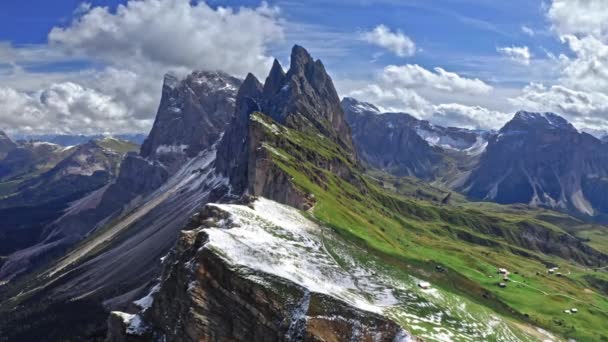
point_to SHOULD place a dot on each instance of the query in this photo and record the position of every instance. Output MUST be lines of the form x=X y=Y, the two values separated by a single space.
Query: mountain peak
x=547 y=119
x=359 y=107
x=170 y=81
x=275 y=79
x=299 y=59
x=524 y=122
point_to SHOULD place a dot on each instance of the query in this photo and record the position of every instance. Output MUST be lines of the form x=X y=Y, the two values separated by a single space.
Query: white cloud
x=409 y=88
x=581 y=91
x=64 y=108
x=519 y=54
x=135 y=44
x=415 y=76
x=579 y=17
x=174 y=34
x=394 y=99
x=528 y=31
x=459 y=115
x=584 y=109
x=396 y=42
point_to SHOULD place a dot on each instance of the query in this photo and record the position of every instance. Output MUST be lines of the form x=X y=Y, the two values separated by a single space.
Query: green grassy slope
x=468 y=240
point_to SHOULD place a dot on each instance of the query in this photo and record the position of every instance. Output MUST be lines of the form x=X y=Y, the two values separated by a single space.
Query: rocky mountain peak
x=300 y=59
x=307 y=99
x=524 y=120
x=192 y=115
x=275 y=79
x=251 y=87
x=354 y=106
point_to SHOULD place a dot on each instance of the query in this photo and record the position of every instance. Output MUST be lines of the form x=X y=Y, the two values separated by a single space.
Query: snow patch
x=146 y=302
x=165 y=149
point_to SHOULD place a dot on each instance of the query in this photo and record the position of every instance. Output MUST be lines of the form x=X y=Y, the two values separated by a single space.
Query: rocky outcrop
x=303 y=99
x=204 y=297
x=193 y=114
x=542 y=160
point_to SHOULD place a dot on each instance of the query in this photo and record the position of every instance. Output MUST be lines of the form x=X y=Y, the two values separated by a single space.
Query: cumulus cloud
x=394 y=99
x=135 y=44
x=519 y=54
x=473 y=117
x=65 y=108
x=415 y=76
x=579 y=17
x=396 y=42
x=401 y=88
x=174 y=34
x=581 y=91
x=584 y=109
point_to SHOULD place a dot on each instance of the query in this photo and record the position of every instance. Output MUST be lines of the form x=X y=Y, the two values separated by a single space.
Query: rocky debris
x=204 y=297
x=542 y=160
x=192 y=115
x=137 y=177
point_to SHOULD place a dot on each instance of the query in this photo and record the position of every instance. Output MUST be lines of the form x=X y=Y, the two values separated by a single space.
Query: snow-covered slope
x=266 y=240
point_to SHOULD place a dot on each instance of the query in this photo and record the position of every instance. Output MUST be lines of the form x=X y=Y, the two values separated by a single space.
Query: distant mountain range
x=276 y=211
x=537 y=159
x=77 y=139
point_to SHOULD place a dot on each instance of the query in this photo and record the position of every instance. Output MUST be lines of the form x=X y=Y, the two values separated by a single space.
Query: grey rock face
x=233 y=151
x=390 y=142
x=6 y=145
x=306 y=96
x=192 y=115
x=541 y=159
x=406 y=146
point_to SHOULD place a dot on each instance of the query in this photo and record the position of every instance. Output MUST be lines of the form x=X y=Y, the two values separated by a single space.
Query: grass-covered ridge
x=468 y=241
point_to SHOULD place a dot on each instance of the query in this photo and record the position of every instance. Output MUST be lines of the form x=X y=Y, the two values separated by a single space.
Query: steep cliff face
x=192 y=115
x=214 y=289
x=542 y=160
x=303 y=99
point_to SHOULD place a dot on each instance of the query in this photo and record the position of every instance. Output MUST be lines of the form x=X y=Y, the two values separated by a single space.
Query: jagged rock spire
x=307 y=99
x=275 y=79
x=304 y=99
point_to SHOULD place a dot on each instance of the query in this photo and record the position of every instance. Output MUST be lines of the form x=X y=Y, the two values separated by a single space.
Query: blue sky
x=459 y=35
x=495 y=57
